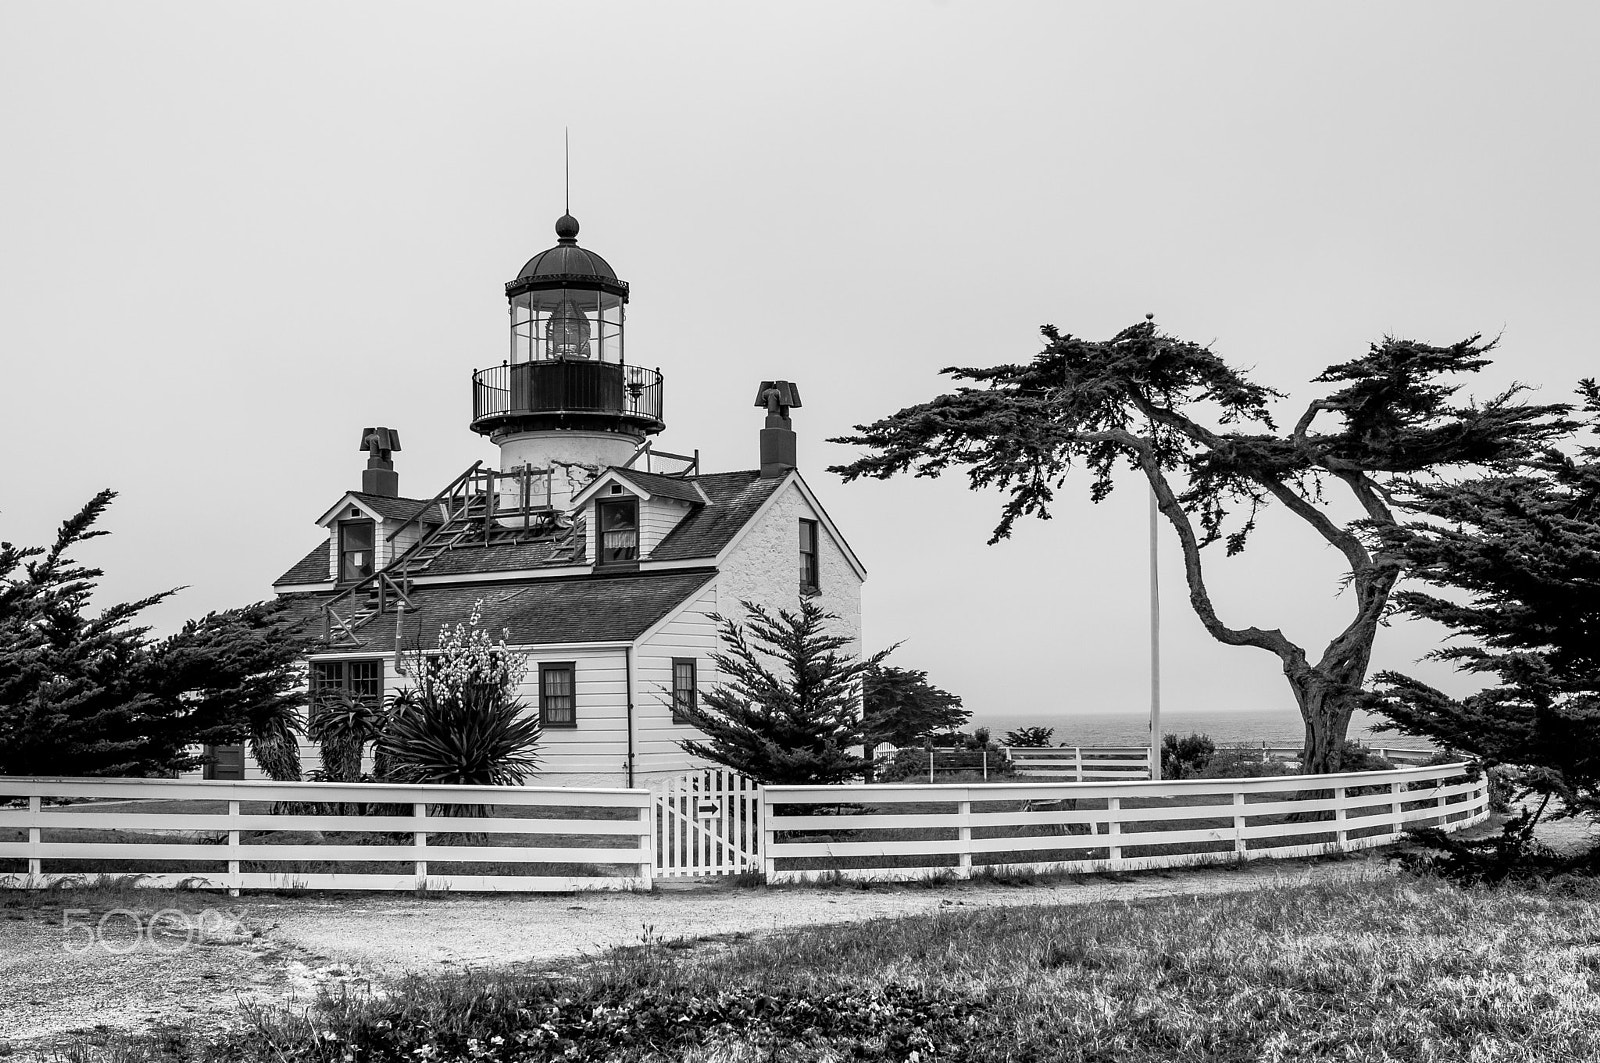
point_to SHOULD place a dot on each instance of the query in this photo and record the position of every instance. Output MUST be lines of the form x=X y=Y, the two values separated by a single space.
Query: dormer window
x=618 y=520
x=355 y=550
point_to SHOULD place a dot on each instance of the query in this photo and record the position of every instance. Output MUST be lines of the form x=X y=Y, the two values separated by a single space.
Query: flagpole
x=1155 y=645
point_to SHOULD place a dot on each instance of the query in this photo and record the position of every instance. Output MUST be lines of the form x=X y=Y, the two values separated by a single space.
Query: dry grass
x=1399 y=969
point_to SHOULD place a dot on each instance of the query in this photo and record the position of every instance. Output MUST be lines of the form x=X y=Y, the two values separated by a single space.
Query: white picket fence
x=708 y=823
x=225 y=835
x=915 y=831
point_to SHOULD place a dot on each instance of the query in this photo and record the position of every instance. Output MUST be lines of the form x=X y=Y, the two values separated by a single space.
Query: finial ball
x=567 y=227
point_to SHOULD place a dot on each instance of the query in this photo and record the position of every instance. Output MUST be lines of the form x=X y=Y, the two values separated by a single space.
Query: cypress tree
x=1517 y=559
x=791 y=709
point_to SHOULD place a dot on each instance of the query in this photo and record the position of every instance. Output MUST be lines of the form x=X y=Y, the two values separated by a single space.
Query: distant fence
x=1082 y=763
x=907 y=831
x=264 y=835
x=1114 y=763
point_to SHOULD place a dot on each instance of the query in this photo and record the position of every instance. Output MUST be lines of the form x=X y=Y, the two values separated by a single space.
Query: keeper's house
x=600 y=557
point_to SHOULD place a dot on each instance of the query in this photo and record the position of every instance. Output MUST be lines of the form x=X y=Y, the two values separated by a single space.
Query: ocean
x=1128 y=729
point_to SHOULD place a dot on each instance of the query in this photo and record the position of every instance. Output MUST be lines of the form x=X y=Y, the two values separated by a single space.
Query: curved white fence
x=917 y=831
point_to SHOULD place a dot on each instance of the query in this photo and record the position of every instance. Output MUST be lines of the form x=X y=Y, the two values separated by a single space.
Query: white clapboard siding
x=617 y=824
x=707 y=823
x=1111 y=817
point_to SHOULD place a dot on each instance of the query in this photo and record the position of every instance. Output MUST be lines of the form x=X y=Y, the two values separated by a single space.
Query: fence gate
x=707 y=823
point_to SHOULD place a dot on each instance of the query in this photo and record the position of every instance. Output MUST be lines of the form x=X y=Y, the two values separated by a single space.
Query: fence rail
x=914 y=831
x=265 y=835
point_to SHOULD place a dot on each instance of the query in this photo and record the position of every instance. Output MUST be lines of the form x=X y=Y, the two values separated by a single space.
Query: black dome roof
x=567 y=259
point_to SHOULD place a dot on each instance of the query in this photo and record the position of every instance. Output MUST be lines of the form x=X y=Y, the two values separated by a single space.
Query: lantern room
x=567 y=303
x=566 y=369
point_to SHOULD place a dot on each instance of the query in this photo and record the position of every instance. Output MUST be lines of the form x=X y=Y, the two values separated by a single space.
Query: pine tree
x=1518 y=558
x=791 y=710
x=86 y=693
x=72 y=693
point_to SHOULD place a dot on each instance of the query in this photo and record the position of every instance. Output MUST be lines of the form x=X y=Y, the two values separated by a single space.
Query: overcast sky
x=232 y=236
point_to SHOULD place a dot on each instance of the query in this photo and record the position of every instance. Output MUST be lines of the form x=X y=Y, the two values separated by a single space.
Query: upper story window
x=355 y=550
x=810 y=571
x=684 y=693
x=618 y=519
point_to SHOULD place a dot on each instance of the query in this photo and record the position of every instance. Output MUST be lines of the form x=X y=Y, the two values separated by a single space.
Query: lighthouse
x=566 y=403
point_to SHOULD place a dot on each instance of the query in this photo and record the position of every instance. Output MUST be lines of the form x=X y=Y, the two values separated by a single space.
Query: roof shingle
x=735 y=497
x=542 y=612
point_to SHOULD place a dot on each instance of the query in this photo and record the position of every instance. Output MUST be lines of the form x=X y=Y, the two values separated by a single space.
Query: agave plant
x=342 y=724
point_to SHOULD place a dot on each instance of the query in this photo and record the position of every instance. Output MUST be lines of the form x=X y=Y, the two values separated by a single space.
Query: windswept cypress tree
x=791 y=710
x=1202 y=435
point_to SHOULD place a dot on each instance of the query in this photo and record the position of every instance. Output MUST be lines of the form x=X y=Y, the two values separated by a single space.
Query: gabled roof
x=539 y=613
x=649 y=484
x=735 y=497
x=658 y=486
x=385 y=507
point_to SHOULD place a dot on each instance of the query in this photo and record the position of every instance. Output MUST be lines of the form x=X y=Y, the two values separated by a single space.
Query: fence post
x=1239 y=845
x=1077 y=763
x=964 y=839
x=1341 y=828
x=233 y=848
x=1444 y=815
x=985 y=765
x=35 y=864
x=1113 y=829
x=930 y=766
x=647 y=839
x=419 y=840
x=769 y=839
x=1396 y=800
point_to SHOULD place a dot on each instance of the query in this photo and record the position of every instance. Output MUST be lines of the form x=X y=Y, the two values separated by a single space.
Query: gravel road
x=221 y=953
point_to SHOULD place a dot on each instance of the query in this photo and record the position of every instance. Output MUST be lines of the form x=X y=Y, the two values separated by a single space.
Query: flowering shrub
x=462 y=723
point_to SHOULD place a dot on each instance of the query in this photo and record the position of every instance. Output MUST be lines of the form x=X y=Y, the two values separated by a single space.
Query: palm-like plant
x=462 y=724
x=342 y=724
x=477 y=737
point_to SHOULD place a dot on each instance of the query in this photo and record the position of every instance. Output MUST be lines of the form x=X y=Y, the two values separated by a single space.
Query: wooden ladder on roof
x=467 y=513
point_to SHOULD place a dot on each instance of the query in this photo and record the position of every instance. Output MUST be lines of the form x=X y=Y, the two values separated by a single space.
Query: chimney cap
x=376 y=439
x=777 y=394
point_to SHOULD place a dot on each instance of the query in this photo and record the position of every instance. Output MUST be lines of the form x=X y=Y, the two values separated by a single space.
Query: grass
x=1395 y=969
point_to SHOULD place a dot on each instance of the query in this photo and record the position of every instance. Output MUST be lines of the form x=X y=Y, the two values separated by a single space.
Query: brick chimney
x=379 y=477
x=777 y=437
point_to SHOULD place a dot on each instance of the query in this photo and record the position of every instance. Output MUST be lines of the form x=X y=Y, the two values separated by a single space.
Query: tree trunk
x=1326 y=706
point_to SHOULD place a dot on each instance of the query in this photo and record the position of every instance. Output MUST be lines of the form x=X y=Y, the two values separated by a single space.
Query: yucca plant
x=477 y=737
x=462 y=724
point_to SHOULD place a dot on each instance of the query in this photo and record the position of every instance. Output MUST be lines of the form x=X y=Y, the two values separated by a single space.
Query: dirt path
x=220 y=953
